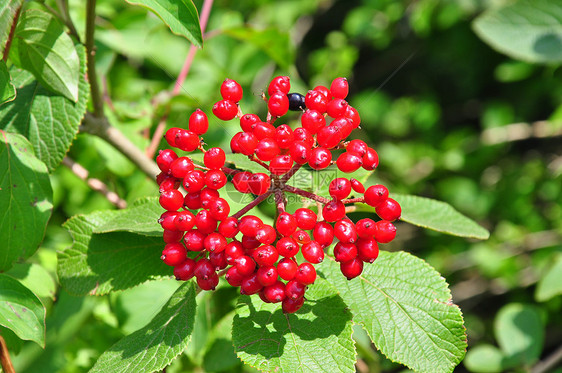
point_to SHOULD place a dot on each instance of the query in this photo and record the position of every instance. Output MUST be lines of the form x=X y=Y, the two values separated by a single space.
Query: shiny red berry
x=198 y=122
x=214 y=158
x=323 y=233
x=349 y=162
x=225 y=109
x=340 y=188
x=313 y=252
x=279 y=83
x=385 y=231
x=333 y=211
x=351 y=268
x=171 y=200
x=287 y=269
x=320 y=158
x=174 y=254
x=344 y=252
x=231 y=90
x=313 y=121
x=375 y=195
x=306 y=218
x=286 y=224
x=306 y=274
x=389 y=210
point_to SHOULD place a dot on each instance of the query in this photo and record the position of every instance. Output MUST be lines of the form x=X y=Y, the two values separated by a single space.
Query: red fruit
x=313 y=121
x=287 y=247
x=225 y=109
x=204 y=269
x=292 y=305
x=194 y=181
x=345 y=231
x=389 y=210
x=385 y=231
x=215 y=179
x=185 y=270
x=249 y=225
x=215 y=242
x=248 y=122
x=280 y=164
x=233 y=277
x=301 y=237
x=171 y=200
x=312 y=252
x=184 y=221
x=352 y=268
x=208 y=283
x=266 y=235
x=295 y=289
x=358 y=147
x=306 y=218
x=231 y=90
x=278 y=104
x=233 y=251
x=353 y=115
x=198 y=122
x=284 y=136
x=328 y=137
x=323 y=233
x=287 y=269
x=167 y=220
x=320 y=158
x=306 y=274
x=245 y=265
x=315 y=100
x=250 y=285
x=367 y=249
x=247 y=143
x=286 y=224
x=165 y=158
x=208 y=195
x=265 y=255
x=370 y=159
x=375 y=195
x=172 y=236
x=267 y=149
x=365 y=228
x=218 y=260
x=357 y=186
x=340 y=188
x=275 y=293
x=267 y=275
x=344 y=252
x=187 y=141
x=214 y=158
x=300 y=152
x=333 y=211
x=205 y=222
x=304 y=135
x=219 y=208
x=259 y=183
x=324 y=90
x=336 y=108
x=339 y=88
x=279 y=83
x=264 y=130
x=228 y=227
x=167 y=182
x=193 y=240
x=241 y=181
x=234 y=147
x=171 y=136
x=180 y=167
x=349 y=162
x=174 y=254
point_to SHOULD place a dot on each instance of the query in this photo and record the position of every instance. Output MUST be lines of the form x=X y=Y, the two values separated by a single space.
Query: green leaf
x=274 y=43
x=240 y=161
x=550 y=285
x=153 y=347
x=141 y=218
x=314 y=339
x=45 y=50
x=438 y=216
x=26 y=199
x=49 y=121
x=21 y=311
x=529 y=30
x=484 y=358
x=406 y=307
x=7 y=89
x=100 y=263
x=180 y=15
x=220 y=355
x=36 y=278
x=520 y=333
x=8 y=10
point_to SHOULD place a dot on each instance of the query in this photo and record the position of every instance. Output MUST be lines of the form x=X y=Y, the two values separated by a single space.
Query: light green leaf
x=49 y=121
x=438 y=216
x=406 y=307
x=520 y=333
x=100 y=263
x=529 y=30
x=45 y=50
x=7 y=89
x=314 y=339
x=484 y=358
x=26 y=199
x=220 y=355
x=36 y=278
x=180 y=15
x=141 y=218
x=21 y=310
x=550 y=285
x=153 y=347
x=8 y=9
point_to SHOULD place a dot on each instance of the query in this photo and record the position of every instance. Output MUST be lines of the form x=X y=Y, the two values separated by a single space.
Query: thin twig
x=93 y=183
x=63 y=6
x=97 y=100
x=520 y=131
x=252 y=204
x=290 y=173
x=280 y=201
x=306 y=194
x=353 y=200
x=551 y=361
x=258 y=161
x=5 y=360
x=11 y=35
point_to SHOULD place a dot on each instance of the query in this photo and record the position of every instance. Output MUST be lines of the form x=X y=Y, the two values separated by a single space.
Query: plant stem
x=11 y=35
x=549 y=362
x=5 y=360
x=252 y=204
x=257 y=160
x=63 y=7
x=306 y=194
x=290 y=173
x=97 y=100
x=95 y=184
x=353 y=200
x=101 y=128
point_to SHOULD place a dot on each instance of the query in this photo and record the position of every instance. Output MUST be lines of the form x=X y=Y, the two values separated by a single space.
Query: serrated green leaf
x=8 y=10
x=438 y=216
x=7 y=88
x=153 y=347
x=180 y=15
x=141 y=218
x=520 y=333
x=406 y=307
x=316 y=338
x=49 y=121
x=26 y=199
x=36 y=278
x=274 y=43
x=484 y=358
x=550 y=284
x=529 y=30
x=100 y=263
x=21 y=310
x=46 y=50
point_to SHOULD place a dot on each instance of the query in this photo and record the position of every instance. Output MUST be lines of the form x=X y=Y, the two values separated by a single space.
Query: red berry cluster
x=257 y=257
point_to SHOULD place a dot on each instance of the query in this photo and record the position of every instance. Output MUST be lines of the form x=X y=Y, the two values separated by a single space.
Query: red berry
x=193 y=240
x=324 y=90
x=205 y=222
x=215 y=242
x=368 y=249
x=345 y=125
x=214 y=158
x=233 y=251
x=248 y=122
x=320 y=158
x=292 y=305
x=233 y=277
x=385 y=231
x=389 y=210
x=218 y=260
x=225 y=109
x=275 y=293
x=284 y=136
x=349 y=162
x=180 y=167
x=315 y=100
x=266 y=235
x=336 y=108
x=231 y=90
x=300 y=152
x=286 y=224
x=264 y=130
x=313 y=252
x=313 y=121
x=219 y=208
x=352 y=268
x=345 y=231
x=187 y=141
x=241 y=181
x=184 y=221
x=267 y=149
x=358 y=147
x=247 y=143
x=365 y=228
x=167 y=220
x=375 y=195
x=278 y=104
x=167 y=182
x=208 y=283
x=279 y=83
x=184 y=271
x=165 y=158
x=171 y=200
x=215 y=179
x=344 y=252
x=265 y=255
x=340 y=188
x=267 y=275
x=357 y=186
x=249 y=225
x=172 y=236
x=245 y=265
x=301 y=237
x=234 y=146
x=353 y=115
x=287 y=247
x=287 y=269
x=333 y=211
x=198 y=122
x=194 y=181
x=339 y=88
x=306 y=274
x=370 y=160
x=207 y=196
x=306 y=218
x=259 y=183
x=304 y=135
x=171 y=136
x=329 y=137
x=204 y=269
x=228 y=227
x=295 y=289
x=280 y=164
x=250 y=285
x=174 y=254
x=323 y=233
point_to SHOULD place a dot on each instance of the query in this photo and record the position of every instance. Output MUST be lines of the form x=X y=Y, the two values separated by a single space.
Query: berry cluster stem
x=5 y=361
x=306 y=194
x=252 y=204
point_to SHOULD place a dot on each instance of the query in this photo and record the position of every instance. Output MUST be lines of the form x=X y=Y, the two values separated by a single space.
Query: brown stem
x=258 y=161
x=11 y=35
x=252 y=204
x=280 y=202
x=549 y=362
x=5 y=360
x=93 y=183
x=229 y=171
x=306 y=194
x=353 y=200
x=97 y=100
x=290 y=173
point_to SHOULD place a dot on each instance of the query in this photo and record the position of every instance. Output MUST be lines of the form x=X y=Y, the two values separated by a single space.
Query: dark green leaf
x=180 y=15
x=314 y=339
x=530 y=30
x=45 y=50
x=141 y=218
x=21 y=310
x=26 y=199
x=49 y=121
x=100 y=263
x=439 y=216
x=8 y=9
x=7 y=89
x=153 y=347
x=406 y=307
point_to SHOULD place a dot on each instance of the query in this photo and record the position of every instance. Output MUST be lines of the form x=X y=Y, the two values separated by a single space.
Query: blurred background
x=451 y=119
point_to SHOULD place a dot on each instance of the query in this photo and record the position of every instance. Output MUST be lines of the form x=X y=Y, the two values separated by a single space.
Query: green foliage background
x=442 y=108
